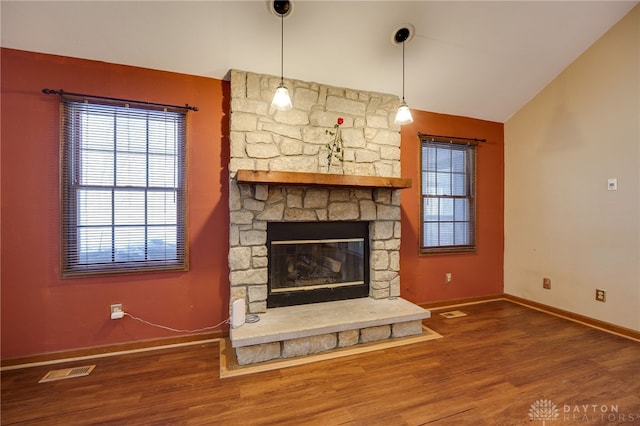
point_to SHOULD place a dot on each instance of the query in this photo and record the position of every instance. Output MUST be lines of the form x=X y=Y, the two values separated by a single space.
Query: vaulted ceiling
x=471 y=58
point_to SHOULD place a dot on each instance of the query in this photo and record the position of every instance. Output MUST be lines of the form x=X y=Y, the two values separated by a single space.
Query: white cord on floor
x=174 y=329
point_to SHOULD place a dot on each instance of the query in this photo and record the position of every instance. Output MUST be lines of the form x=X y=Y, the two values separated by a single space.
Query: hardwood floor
x=489 y=369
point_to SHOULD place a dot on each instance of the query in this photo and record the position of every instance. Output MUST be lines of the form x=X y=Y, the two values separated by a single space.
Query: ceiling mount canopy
x=281 y=8
x=281 y=99
x=402 y=36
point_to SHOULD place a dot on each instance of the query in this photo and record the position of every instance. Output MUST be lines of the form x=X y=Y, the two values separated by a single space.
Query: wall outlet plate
x=546 y=283
x=116 y=311
x=601 y=295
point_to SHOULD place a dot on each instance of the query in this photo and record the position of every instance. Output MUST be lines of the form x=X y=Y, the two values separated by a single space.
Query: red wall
x=42 y=313
x=422 y=277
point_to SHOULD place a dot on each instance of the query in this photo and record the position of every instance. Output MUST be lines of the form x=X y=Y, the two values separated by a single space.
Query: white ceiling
x=474 y=58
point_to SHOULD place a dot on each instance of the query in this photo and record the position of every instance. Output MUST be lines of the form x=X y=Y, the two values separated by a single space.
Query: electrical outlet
x=448 y=277
x=601 y=295
x=116 y=311
x=546 y=283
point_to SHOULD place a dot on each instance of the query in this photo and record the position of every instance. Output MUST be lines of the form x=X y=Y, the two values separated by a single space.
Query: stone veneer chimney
x=266 y=139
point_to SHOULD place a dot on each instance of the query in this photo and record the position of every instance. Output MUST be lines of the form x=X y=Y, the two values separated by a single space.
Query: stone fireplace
x=279 y=179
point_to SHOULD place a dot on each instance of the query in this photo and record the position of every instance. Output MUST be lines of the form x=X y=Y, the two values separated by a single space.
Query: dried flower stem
x=335 y=148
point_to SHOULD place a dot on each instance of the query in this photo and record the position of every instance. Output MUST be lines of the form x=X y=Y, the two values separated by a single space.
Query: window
x=448 y=197
x=123 y=188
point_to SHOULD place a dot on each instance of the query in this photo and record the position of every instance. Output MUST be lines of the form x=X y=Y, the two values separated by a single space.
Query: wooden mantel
x=320 y=179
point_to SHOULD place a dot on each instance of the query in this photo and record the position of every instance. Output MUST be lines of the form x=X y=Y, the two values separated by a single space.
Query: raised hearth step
x=291 y=322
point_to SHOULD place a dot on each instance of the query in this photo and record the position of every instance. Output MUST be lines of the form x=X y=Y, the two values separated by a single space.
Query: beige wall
x=561 y=221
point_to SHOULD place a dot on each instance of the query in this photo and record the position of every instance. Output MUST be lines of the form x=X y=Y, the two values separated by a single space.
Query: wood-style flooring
x=492 y=367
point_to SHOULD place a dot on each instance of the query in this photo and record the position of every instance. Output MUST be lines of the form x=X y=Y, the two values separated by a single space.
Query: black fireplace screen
x=312 y=262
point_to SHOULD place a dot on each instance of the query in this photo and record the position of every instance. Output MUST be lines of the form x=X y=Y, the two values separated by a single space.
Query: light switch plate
x=612 y=184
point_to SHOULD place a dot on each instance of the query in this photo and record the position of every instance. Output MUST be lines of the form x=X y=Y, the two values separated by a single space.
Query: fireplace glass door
x=317 y=262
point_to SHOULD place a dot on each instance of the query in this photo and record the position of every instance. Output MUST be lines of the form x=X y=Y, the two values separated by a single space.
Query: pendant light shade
x=403 y=116
x=281 y=99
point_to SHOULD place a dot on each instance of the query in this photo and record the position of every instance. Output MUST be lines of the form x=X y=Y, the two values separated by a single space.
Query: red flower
x=340 y=121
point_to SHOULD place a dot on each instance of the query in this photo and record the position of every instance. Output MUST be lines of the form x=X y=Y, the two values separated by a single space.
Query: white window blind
x=448 y=196
x=123 y=188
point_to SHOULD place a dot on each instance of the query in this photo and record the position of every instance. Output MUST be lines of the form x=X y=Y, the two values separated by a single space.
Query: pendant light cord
x=282 y=48
x=403 y=71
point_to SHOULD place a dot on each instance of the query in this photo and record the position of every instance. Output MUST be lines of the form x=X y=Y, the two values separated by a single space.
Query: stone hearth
x=301 y=330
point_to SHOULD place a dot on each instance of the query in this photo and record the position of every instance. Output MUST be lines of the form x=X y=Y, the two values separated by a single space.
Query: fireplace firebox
x=312 y=262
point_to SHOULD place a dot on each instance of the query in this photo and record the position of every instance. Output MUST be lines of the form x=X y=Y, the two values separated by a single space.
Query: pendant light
x=281 y=99
x=403 y=116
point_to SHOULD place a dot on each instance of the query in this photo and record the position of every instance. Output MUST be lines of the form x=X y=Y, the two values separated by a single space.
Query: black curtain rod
x=80 y=95
x=426 y=135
